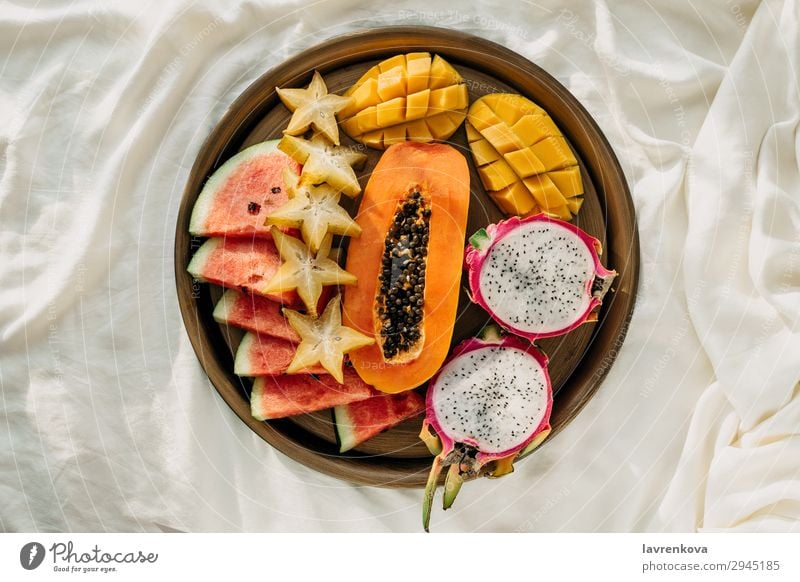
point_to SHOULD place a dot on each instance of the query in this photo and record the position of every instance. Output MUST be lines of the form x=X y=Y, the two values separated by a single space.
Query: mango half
x=410 y=97
x=523 y=160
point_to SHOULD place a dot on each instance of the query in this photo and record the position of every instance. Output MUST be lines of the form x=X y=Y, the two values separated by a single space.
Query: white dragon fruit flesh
x=491 y=401
x=538 y=276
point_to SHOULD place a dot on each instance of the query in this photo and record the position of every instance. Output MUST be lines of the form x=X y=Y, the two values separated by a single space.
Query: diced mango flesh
x=402 y=91
x=523 y=160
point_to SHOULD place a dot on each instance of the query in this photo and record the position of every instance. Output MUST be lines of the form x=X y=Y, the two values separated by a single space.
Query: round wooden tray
x=578 y=361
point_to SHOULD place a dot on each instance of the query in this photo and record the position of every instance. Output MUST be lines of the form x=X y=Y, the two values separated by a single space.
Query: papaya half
x=408 y=263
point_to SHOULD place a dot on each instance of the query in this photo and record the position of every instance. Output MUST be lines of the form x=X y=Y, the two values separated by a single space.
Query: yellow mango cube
x=440 y=125
x=391 y=112
x=392 y=83
x=442 y=73
x=419 y=70
x=483 y=152
x=417 y=56
x=417 y=104
x=545 y=192
x=534 y=128
x=507 y=109
x=394 y=134
x=364 y=96
x=554 y=153
x=507 y=102
x=367 y=119
x=447 y=98
x=515 y=199
x=502 y=138
x=568 y=181
x=561 y=212
x=481 y=116
x=351 y=126
x=497 y=175
x=389 y=64
x=524 y=162
x=418 y=131
x=472 y=133
x=574 y=204
x=373 y=139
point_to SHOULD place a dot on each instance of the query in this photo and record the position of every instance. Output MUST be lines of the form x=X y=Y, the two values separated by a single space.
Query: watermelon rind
x=201 y=257
x=256 y=398
x=345 y=435
x=222 y=310
x=242 y=364
x=205 y=200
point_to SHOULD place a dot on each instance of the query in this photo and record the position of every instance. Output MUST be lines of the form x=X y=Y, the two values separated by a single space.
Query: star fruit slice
x=313 y=106
x=305 y=272
x=324 y=340
x=324 y=162
x=313 y=209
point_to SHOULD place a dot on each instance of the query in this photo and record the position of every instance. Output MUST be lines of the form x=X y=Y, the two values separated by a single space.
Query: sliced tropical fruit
x=254 y=313
x=324 y=340
x=360 y=421
x=243 y=192
x=282 y=396
x=304 y=272
x=323 y=162
x=413 y=213
x=264 y=355
x=315 y=210
x=407 y=97
x=524 y=162
x=313 y=107
x=240 y=263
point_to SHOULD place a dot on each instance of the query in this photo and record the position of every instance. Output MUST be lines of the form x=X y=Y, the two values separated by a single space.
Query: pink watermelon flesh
x=360 y=421
x=254 y=313
x=240 y=195
x=239 y=263
x=290 y=395
x=263 y=355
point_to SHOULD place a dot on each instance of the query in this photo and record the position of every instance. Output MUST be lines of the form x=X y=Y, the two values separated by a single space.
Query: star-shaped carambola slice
x=324 y=340
x=313 y=106
x=305 y=272
x=325 y=162
x=313 y=209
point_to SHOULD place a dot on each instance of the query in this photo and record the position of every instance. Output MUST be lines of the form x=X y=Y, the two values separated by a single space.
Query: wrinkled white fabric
x=108 y=423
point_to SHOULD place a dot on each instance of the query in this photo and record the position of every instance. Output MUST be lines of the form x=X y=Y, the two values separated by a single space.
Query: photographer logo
x=31 y=555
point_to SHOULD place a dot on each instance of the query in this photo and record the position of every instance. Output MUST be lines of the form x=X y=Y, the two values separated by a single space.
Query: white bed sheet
x=108 y=423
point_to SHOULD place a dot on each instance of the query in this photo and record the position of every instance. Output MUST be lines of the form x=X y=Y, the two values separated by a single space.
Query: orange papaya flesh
x=408 y=263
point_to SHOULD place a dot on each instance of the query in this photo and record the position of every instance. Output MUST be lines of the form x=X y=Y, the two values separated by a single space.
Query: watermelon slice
x=263 y=355
x=281 y=396
x=359 y=421
x=239 y=263
x=254 y=313
x=237 y=198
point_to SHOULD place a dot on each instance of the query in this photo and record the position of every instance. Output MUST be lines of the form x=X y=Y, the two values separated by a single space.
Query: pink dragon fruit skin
x=466 y=455
x=595 y=286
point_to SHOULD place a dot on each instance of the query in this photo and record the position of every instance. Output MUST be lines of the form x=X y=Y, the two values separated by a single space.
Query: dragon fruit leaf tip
x=537 y=276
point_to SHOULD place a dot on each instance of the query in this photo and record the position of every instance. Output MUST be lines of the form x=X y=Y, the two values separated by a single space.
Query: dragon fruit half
x=538 y=276
x=490 y=402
